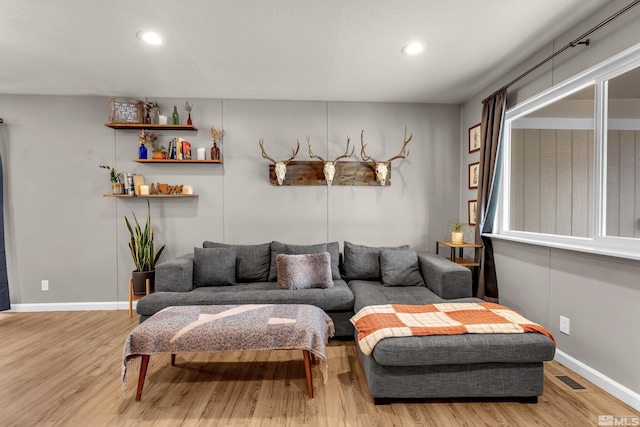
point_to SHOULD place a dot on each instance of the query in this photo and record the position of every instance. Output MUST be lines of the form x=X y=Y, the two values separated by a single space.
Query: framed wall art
x=123 y=110
x=474 y=175
x=472 y=207
x=474 y=138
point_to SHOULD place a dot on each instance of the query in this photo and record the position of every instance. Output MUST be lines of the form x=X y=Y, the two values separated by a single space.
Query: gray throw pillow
x=214 y=267
x=304 y=271
x=363 y=262
x=400 y=268
x=283 y=248
x=253 y=262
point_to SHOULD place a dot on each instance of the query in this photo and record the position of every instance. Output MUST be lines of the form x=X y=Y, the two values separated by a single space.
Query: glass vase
x=142 y=151
x=215 y=152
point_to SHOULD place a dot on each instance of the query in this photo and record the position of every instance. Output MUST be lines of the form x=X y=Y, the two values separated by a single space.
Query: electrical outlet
x=564 y=325
x=45 y=285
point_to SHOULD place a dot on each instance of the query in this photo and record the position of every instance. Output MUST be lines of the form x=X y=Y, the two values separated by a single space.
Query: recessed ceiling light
x=413 y=48
x=150 y=37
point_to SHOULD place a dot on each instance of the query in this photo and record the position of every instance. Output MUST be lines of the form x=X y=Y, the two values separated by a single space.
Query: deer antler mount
x=329 y=169
x=382 y=169
x=280 y=166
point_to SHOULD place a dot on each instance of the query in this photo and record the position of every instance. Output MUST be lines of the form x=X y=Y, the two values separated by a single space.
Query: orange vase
x=158 y=155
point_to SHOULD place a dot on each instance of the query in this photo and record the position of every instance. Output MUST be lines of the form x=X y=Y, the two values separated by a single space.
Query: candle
x=187 y=189
x=144 y=190
x=201 y=155
x=162 y=119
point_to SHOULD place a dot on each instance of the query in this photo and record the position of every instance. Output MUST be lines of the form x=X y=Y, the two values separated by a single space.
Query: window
x=623 y=155
x=571 y=169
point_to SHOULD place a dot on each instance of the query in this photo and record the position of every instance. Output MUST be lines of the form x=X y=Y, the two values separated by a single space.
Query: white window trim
x=598 y=75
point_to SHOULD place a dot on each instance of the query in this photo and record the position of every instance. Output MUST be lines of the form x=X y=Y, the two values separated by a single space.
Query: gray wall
x=59 y=226
x=599 y=294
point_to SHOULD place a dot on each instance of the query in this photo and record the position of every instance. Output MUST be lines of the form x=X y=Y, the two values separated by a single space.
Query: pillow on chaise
x=363 y=262
x=253 y=262
x=214 y=267
x=304 y=271
x=400 y=268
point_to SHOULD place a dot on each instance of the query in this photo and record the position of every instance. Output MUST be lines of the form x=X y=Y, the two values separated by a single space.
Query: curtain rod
x=574 y=43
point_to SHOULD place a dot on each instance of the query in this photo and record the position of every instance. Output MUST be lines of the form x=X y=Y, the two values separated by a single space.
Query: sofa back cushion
x=363 y=262
x=400 y=268
x=253 y=262
x=333 y=248
x=304 y=271
x=214 y=267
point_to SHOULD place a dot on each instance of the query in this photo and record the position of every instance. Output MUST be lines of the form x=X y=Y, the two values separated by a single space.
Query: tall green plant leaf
x=141 y=243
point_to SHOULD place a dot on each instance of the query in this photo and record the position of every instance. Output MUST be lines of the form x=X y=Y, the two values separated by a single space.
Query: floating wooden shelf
x=148 y=126
x=175 y=161
x=150 y=195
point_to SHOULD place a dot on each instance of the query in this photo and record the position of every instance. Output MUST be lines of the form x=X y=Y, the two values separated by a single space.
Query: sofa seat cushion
x=463 y=349
x=337 y=298
x=374 y=293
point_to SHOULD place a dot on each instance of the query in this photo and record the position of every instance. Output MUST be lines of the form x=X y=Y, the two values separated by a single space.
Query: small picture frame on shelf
x=474 y=175
x=123 y=110
x=472 y=208
x=474 y=138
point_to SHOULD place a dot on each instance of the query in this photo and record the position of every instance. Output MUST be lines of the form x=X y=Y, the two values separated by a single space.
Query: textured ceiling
x=343 y=50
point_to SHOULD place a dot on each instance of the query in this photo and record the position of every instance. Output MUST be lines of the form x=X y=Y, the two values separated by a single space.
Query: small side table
x=460 y=259
x=133 y=296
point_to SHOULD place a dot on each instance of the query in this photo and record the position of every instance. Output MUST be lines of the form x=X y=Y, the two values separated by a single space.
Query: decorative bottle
x=176 y=118
x=189 y=122
x=215 y=152
x=147 y=118
x=142 y=151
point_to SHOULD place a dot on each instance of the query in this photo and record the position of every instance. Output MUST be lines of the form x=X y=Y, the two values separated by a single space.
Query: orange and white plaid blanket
x=376 y=322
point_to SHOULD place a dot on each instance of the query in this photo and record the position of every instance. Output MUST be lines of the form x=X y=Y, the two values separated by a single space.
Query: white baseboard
x=71 y=306
x=612 y=387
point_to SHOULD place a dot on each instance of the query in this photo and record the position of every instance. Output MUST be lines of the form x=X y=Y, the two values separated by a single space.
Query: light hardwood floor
x=63 y=368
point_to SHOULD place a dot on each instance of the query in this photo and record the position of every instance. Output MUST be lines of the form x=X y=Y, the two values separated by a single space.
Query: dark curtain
x=493 y=110
x=4 y=282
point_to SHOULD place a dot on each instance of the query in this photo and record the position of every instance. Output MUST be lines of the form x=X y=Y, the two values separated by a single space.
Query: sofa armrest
x=447 y=279
x=175 y=275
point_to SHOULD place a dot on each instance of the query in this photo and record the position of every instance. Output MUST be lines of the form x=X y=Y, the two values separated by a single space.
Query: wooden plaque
x=310 y=173
x=123 y=110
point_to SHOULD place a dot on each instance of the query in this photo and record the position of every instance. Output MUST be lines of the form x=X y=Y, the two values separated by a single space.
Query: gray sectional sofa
x=440 y=366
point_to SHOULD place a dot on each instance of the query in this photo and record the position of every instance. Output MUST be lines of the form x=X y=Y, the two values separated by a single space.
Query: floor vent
x=570 y=382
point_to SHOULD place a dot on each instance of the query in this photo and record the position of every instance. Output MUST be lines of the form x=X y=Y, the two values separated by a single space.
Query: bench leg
x=307 y=371
x=143 y=374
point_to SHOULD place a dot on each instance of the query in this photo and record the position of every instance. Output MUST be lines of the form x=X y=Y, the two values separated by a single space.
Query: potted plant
x=457 y=231
x=142 y=251
x=116 y=186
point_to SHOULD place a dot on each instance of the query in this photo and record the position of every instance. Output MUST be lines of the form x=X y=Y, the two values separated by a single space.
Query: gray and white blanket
x=220 y=328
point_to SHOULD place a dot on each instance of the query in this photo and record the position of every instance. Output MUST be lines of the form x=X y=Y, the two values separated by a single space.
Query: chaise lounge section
x=444 y=366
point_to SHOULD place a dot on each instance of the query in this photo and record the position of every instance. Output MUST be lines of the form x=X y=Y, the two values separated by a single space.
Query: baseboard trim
x=612 y=387
x=71 y=306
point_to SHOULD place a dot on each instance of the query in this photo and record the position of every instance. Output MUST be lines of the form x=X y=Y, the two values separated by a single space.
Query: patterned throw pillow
x=304 y=271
